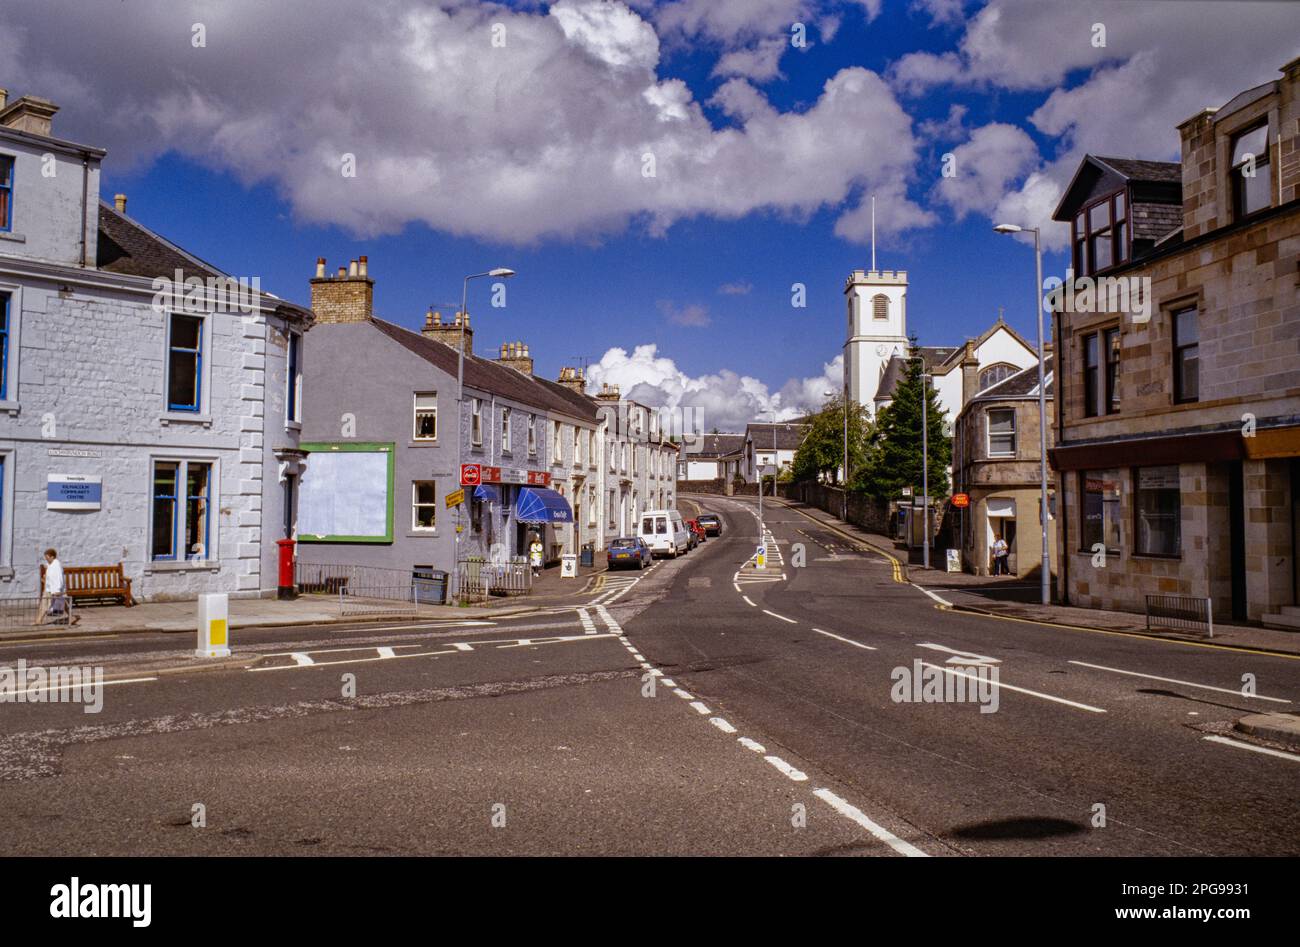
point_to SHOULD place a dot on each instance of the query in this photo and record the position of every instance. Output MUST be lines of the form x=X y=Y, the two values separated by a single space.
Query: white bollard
x=214 y=631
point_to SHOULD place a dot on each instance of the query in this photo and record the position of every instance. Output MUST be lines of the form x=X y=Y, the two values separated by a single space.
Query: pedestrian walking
x=1001 y=552
x=54 y=597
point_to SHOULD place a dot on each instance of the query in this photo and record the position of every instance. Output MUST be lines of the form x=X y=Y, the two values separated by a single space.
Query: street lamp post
x=500 y=272
x=925 y=460
x=1046 y=567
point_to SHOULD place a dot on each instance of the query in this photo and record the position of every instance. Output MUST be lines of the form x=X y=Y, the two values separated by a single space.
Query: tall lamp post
x=925 y=459
x=500 y=272
x=1046 y=567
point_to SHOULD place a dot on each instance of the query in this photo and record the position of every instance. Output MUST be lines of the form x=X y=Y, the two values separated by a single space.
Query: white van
x=664 y=532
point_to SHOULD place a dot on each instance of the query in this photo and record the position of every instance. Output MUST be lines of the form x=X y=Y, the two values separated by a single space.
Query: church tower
x=877 y=330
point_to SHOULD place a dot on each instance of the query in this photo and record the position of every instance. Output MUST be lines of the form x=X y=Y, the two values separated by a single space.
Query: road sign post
x=214 y=629
x=760 y=558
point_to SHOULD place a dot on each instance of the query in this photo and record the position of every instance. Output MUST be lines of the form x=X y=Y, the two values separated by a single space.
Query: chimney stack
x=28 y=114
x=119 y=202
x=573 y=379
x=347 y=297
x=448 y=333
x=515 y=355
x=970 y=373
x=608 y=392
x=4 y=97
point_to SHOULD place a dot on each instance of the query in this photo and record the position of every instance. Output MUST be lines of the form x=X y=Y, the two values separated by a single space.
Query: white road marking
x=85 y=683
x=588 y=625
x=1170 y=680
x=700 y=708
x=301 y=659
x=787 y=769
x=749 y=744
x=461 y=646
x=852 y=812
x=939 y=599
x=668 y=682
x=1258 y=749
x=782 y=617
x=748 y=602
x=722 y=725
x=682 y=694
x=385 y=652
x=737 y=587
x=962 y=657
x=856 y=644
x=1021 y=690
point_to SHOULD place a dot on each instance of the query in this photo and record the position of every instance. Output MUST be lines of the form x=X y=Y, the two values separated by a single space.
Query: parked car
x=629 y=552
x=701 y=535
x=692 y=538
x=664 y=532
x=712 y=523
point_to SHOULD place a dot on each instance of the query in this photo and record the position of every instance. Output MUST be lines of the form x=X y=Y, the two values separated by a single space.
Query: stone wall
x=872 y=515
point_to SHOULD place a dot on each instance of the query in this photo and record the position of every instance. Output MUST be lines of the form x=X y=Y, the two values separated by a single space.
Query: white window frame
x=204 y=413
x=988 y=427
x=415 y=416
x=505 y=429
x=292 y=383
x=577 y=446
x=557 y=442
x=9 y=457
x=532 y=435
x=15 y=294
x=213 y=553
x=476 y=422
x=415 y=506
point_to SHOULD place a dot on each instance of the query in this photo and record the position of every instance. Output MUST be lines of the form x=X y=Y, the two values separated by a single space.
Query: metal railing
x=377 y=601
x=1180 y=613
x=22 y=613
x=479 y=578
x=314 y=578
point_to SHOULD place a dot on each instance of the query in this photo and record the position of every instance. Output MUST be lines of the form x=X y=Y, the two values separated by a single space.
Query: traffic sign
x=471 y=475
x=455 y=498
x=961 y=500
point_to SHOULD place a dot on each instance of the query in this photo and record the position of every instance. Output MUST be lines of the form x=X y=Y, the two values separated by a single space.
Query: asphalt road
x=701 y=707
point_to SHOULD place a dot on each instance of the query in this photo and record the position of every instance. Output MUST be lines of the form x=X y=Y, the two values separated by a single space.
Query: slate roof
x=129 y=248
x=485 y=374
x=1135 y=169
x=1097 y=174
x=788 y=436
x=719 y=445
x=1020 y=385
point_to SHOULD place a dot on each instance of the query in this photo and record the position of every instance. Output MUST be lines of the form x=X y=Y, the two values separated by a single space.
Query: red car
x=700 y=534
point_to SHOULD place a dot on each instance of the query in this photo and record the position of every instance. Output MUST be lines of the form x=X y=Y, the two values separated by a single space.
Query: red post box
x=286 y=589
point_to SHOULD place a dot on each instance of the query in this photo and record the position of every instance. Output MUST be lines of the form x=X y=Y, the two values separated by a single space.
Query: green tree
x=822 y=450
x=897 y=460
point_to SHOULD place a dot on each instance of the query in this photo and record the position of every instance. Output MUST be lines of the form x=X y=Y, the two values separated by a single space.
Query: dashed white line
x=385 y=652
x=856 y=644
x=852 y=812
x=64 y=687
x=782 y=617
x=668 y=682
x=722 y=725
x=784 y=767
x=700 y=708
x=749 y=744
x=1258 y=749
x=682 y=694
x=1170 y=680
x=748 y=602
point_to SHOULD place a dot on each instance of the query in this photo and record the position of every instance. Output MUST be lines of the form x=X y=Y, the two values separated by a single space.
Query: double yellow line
x=857 y=541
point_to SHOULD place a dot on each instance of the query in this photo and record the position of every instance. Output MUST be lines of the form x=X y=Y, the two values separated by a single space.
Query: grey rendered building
x=381 y=427
x=148 y=401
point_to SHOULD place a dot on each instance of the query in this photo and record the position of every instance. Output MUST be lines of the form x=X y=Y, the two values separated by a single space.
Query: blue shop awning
x=485 y=491
x=542 y=505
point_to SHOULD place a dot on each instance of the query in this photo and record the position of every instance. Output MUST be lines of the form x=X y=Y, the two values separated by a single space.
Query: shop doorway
x=1002 y=525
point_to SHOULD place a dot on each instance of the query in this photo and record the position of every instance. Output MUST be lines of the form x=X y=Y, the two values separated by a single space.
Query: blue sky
x=471 y=157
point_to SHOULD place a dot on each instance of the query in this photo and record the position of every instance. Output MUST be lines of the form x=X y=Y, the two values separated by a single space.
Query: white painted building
x=136 y=427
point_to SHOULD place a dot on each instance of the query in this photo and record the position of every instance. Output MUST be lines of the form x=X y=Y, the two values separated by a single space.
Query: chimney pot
x=352 y=268
x=343 y=271
x=365 y=268
x=320 y=267
x=119 y=202
x=437 y=318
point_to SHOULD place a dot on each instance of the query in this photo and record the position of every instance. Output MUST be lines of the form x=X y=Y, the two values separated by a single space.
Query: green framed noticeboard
x=346 y=493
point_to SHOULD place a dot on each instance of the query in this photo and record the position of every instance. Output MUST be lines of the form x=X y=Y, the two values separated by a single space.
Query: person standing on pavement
x=54 y=598
x=1001 y=552
x=535 y=555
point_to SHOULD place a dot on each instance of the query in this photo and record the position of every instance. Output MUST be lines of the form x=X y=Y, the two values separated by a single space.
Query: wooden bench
x=94 y=582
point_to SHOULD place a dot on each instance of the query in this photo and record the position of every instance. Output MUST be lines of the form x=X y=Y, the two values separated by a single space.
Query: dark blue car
x=629 y=552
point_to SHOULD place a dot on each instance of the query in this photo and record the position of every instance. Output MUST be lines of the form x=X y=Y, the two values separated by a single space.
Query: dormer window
x=996 y=373
x=1101 y=235
x=1251 y=190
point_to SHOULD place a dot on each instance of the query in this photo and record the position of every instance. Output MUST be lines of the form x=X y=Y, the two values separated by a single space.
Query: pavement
x=243 y=613
x=1013 y=597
